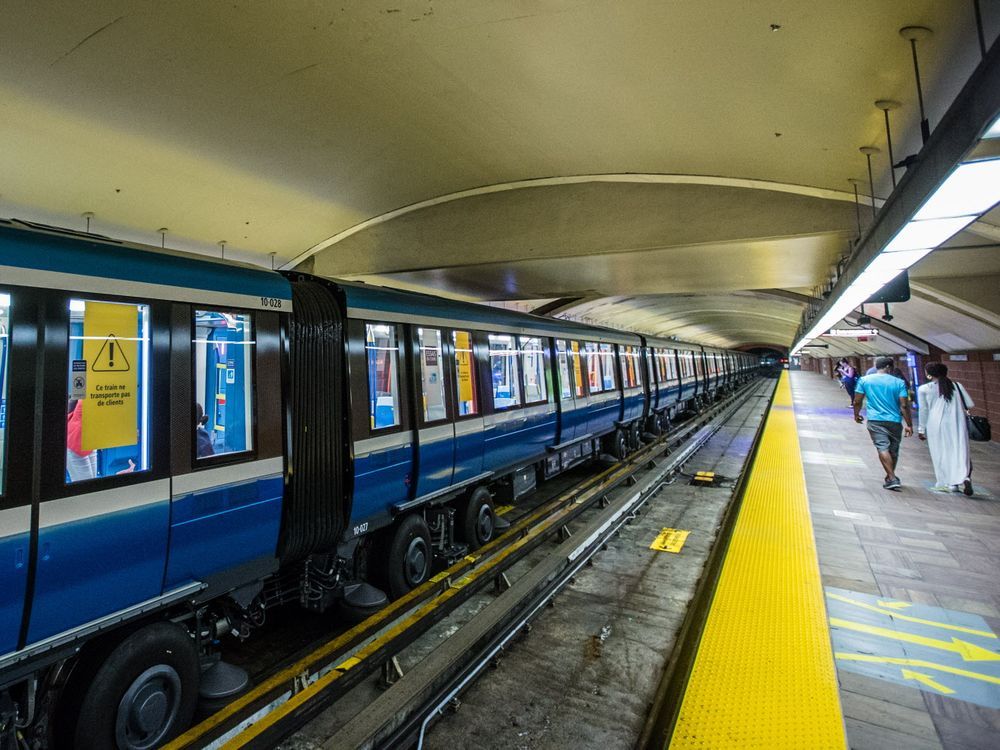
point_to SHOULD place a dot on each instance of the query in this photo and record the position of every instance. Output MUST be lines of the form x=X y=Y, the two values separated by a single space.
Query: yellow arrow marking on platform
x=921 y=663
x=894 y=605
x=926 y=680
x=968 y=651
x=910 y=618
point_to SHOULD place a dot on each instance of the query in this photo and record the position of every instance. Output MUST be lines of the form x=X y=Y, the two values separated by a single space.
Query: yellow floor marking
x=921 y=663
x=764 y=674
x=670 y=540
x=898 y=605
x=503 y=509
x=968 y=651
x=909 y=618
x=927 y=681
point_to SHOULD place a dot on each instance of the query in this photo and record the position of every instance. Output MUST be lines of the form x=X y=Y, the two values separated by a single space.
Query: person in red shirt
x=80 y=464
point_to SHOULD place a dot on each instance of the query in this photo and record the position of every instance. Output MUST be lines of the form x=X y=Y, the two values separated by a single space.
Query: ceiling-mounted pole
x=868 y=151
x=163 y=237
x=914 y=34
x=979 y=27
x=88 y=215
x=857 y=202
x=885 y=105
x=222 y=244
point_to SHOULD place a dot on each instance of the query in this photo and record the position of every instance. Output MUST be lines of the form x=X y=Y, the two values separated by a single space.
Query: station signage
x=854 y=333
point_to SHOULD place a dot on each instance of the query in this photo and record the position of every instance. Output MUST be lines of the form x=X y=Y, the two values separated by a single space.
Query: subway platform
x=911 y=582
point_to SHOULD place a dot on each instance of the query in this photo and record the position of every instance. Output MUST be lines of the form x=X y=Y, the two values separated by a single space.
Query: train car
x=185 y=444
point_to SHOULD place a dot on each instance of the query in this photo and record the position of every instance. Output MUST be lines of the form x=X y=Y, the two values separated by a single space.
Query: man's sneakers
x=892 y=484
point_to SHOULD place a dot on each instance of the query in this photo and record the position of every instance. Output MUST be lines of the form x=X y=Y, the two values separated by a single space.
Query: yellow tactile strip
x=764 y=675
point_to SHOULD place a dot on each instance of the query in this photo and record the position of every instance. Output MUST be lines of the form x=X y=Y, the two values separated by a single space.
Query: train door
x=467 y=407
x=104 y=509
x=435 y=424
x=383 y=448
x=17 y=354
x=572 y=397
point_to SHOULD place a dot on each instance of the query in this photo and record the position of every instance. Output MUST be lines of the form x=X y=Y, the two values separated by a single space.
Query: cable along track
x=291 y=697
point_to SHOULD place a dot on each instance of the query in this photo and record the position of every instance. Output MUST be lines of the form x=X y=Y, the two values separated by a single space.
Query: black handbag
x=979 y=427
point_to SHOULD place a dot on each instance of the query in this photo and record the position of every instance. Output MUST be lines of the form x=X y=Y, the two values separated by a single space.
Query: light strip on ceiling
x=971 y=189
x=994 y=131
x=918 y=235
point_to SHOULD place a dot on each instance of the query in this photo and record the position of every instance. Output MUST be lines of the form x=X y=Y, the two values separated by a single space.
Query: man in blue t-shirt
x=888 y=407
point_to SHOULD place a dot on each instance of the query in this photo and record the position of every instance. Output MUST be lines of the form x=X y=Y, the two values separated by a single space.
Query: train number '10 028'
x=272 y=302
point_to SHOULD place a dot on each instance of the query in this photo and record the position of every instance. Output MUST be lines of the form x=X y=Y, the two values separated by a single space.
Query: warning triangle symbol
x=111 y=357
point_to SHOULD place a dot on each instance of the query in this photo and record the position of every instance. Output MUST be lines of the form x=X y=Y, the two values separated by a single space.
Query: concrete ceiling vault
x=667 y=163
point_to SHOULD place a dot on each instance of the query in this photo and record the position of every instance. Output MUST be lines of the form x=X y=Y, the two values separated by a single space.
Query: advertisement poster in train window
x=463 y=365
x=112 y=384
x=577 y=368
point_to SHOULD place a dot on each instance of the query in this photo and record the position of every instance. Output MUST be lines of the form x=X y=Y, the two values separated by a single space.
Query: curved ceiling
x=609 y=151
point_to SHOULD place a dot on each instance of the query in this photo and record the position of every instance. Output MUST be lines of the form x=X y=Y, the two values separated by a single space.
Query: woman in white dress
x=943 y=407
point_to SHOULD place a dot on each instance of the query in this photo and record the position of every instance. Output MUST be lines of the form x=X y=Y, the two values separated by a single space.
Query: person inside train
x=80 y=464
x=203 y=439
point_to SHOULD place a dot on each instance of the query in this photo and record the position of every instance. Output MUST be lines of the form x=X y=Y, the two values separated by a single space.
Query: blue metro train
x=186 y=443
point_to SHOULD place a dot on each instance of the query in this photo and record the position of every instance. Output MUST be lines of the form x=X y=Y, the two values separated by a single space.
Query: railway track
x=295 y=693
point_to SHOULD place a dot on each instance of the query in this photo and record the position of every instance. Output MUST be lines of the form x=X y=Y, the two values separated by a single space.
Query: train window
x=431 y=374
x=5 y=304
x=661 y=366
x=594 y=379
x=107 y=416
x=533 y=363
x=565 y=385
x=577 y=367
x=608 y=366
x=223 y=382
x=630 y=370
x=671 y=365
x=382 y=353
x=503 y=366
x=465 y=374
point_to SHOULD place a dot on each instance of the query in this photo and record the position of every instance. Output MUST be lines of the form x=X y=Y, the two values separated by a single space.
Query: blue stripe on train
x=223 y=527
x=13 y=576
x=95 y=566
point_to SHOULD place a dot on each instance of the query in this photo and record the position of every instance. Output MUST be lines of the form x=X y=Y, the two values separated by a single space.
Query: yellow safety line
x=764 y=673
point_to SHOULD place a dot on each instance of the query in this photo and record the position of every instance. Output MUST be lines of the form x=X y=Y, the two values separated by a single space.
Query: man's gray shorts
x=886 y=436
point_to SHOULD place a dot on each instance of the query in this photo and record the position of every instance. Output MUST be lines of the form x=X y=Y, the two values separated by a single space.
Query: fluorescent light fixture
x=853 y=333
x=77 y=305
x=994 y=131
x=970 y=190
x=4 y=300
x=929 y=233
x=883 y=269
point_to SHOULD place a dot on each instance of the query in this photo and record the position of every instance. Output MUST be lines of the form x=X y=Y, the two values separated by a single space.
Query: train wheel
x=143 y=695
x=410 y=556
x=634 y=437
x=619 y=445
x=476 y=519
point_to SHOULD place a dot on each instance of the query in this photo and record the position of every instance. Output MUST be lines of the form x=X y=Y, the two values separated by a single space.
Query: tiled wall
x=978 y=371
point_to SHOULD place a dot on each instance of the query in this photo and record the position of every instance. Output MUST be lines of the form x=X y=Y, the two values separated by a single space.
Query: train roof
x=39 y=255
x=385 y=303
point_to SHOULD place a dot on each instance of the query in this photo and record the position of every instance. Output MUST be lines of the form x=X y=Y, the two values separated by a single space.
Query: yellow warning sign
x=109 y=349
x=463 y=365
x=670 y=540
